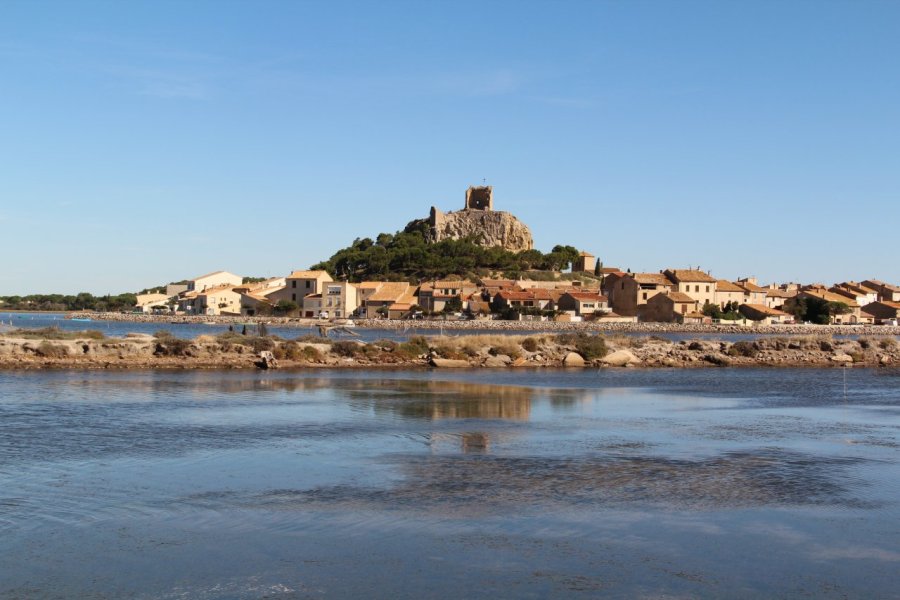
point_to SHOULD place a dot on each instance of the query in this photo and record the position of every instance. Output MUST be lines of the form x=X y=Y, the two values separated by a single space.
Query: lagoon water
x=477 y=484
x=192 y=330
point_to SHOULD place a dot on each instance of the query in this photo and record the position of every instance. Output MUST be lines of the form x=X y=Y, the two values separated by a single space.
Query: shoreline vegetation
x=53 y=348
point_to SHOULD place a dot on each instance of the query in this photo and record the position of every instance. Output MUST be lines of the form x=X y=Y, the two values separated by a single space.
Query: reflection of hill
x=768 y=477
x=434 y=400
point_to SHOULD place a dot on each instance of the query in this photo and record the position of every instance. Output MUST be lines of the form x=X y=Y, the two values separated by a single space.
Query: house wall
x=700 y=291
x=214 y=280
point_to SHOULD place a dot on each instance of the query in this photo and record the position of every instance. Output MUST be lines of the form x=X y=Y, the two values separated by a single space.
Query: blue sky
x=142 y=143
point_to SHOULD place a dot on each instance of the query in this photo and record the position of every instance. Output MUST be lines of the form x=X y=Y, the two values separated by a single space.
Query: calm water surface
x=192 y=330
x=515 y=484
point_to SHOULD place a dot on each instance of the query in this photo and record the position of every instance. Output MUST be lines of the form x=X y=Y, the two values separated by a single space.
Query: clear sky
x=142 y=143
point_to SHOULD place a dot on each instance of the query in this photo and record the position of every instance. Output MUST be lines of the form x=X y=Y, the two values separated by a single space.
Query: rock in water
x=573 y=359
x=620 y=358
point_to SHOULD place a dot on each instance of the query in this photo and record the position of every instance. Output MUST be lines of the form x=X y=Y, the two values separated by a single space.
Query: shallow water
x=319 y=484
x=192 y=330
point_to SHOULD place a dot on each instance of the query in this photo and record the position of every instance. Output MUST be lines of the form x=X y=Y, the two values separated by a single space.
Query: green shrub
x=309 y=338
x=744 y=348
x=588 y=346
x=287 y=351
x=48 y=350
x=347 y=349
x=388 y=345
x=172 y=346
x=887 y=343
x=258 y=344
x=55 y=333
x=530 y=344
x=509 y=350
x=414 y=346
x=310 y=354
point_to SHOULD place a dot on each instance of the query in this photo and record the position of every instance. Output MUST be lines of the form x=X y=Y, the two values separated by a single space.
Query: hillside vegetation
x=406 y=255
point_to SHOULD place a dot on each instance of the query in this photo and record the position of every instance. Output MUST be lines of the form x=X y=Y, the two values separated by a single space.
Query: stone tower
x=480 y=198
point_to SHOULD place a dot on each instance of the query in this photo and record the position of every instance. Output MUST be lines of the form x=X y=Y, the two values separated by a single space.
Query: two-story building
x=695 y=283
x=629 y=291
x=886 y=291
x=213 y=280
x=337 y=299
x=583 y=304
x=670 y=307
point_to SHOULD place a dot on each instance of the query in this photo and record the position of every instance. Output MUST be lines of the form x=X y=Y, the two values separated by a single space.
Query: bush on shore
x=55 y=333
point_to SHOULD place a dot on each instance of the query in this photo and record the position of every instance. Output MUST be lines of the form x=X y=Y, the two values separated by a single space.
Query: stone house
x=390 y=292
x=145 y=303
x=256 y=298
x=776 y=297
x=883 y=311
x=300 y=284
x=763 y=314
x=698 y=285
x=586 y=263
x=628 y=292
x=669 y=308
x=583 y=304
x=856 y=292
x=727 y=291
x=220 y=300
x=886 y=291
x=822 y=294
x=753 y=293
x=337 y=298
x=212 y=280
x=434 y=295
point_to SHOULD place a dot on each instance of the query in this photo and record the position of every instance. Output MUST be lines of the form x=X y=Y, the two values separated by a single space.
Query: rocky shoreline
x=91 y=350
x=512 y=326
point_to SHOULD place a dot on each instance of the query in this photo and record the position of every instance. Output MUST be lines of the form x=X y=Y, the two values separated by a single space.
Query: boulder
x=840 y=357
x=449 y=363
x=573 y=359
x=620 y=358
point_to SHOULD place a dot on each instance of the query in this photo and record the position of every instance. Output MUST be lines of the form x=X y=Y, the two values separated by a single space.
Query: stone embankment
x=513 y=326
x=28 y=350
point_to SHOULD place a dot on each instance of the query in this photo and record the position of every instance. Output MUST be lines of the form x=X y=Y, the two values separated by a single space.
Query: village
x=669 y=296
x=585 y=291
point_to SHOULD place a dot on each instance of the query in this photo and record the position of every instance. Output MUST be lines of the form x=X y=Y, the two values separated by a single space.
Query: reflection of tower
x=475 y=441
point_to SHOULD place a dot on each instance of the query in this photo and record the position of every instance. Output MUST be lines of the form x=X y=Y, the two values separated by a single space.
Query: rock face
x=478 y=220
x=489 y=227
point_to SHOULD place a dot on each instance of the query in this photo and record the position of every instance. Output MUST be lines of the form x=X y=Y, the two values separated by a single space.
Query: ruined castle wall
x=492 y=228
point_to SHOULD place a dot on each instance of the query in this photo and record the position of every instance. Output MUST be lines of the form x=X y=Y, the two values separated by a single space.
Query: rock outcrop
x=488 y=227
x=477 y=220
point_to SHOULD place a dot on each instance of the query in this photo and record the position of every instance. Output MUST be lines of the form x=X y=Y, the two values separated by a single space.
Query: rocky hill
x=489 y=228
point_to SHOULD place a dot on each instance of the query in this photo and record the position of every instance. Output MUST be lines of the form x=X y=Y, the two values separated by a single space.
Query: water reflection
x=648 y=484
x=486 y=484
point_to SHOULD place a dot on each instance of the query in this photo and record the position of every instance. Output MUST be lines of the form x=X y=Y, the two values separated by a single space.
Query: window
x=707 y=289
x=696 y=288
x=307 y=284
x=644 y=295
x=294 y=297
x=293 y=284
